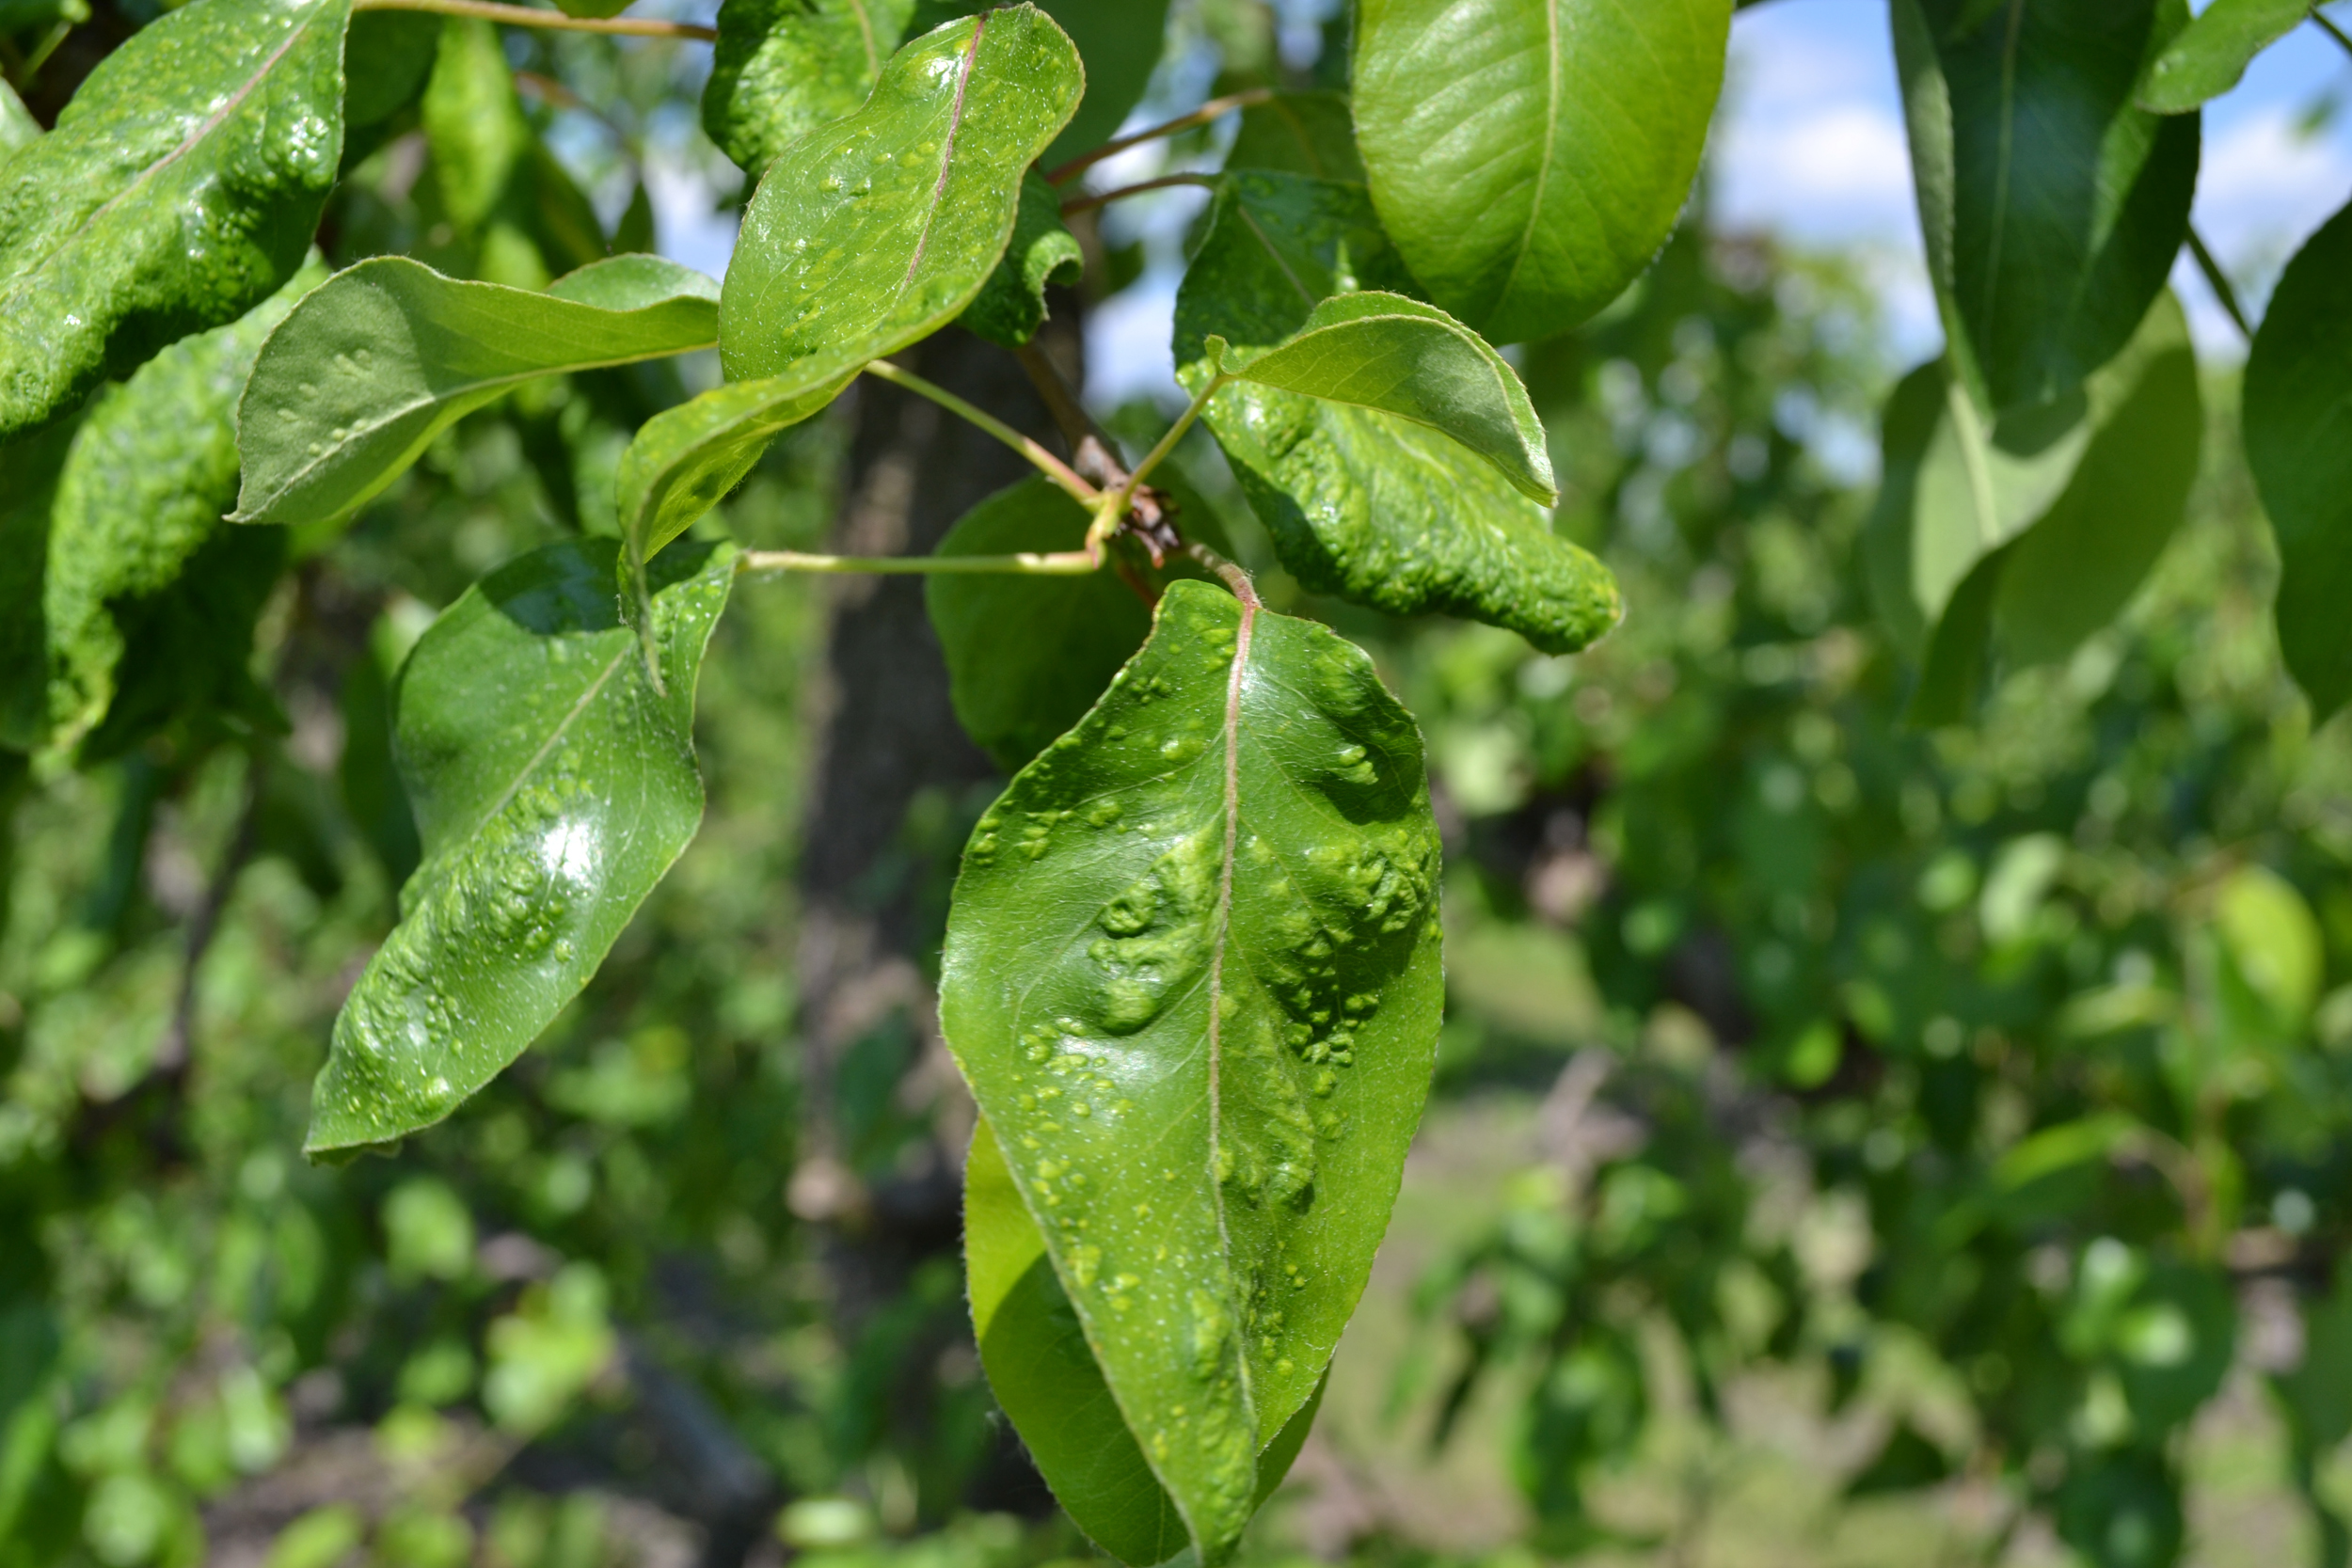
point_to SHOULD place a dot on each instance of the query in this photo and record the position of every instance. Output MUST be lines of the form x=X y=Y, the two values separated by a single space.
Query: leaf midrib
x=947 y=152
x=1243 y=633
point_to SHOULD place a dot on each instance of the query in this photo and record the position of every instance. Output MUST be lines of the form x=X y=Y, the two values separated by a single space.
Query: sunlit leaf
x=2211 y=54
x=554 y=785
x=879 y=228
x=2052 y=207
x=783 y=68
x=2298 y=442
x=1530 y=156
x=17 y=124
x=1360 y=502
x=178 y=189
x=1192 y=977
x=386 y=356
x=1048 y=1381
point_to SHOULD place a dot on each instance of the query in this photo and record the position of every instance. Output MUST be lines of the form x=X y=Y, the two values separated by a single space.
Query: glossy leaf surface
x=2052 y=206
x=1397 y=356
x=1362 y=503
x=386 y=356
x=178 y=189
x=1016 y=694
x=879 y=228
x=2299 y=441
x=1043 y=252
x=553 y=786
x=783 y=68
x=1298 y=132
x=151 y=470
x=1530 y=156
x=1046 y=1378
x=2213 y=52
x=1192 y=976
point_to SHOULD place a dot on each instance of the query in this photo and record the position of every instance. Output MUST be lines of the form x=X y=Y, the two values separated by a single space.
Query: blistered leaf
x=2021 y=537
x=1048 y=1381
x=151 y=470
x=1016 y=694
x=1363 y=503
x=2052 y=207
x=2212 y=52
x=1385 y=351
x=1298 y=132
x=1192 y=977
x=554 y=785
x=1530 y=156
x=2298 y=442
x=384 y=356
x=178 y=189
x=1012 y=304
x=783 y=68
x=879 y=228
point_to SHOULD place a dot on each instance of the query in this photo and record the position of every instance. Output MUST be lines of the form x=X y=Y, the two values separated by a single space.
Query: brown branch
x=532 y=16
x=1088 y=203
x=1217 y=107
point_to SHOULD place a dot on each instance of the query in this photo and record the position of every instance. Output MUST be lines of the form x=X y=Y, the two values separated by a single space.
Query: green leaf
x=1192 y=976
x=1530 y=156
x=2053 y=208
x=879 y=228
x=2027 y=535
x=683 y=460
x=1385 y=351
x=1299 y=133
x=178 y=191
x=1016 y=694
x=18 y=128
x=384 y=356
x=1048 y=1381
x=1121 y=41
x=29 y=470
x=395 y=52
x=2212 y=52
x=1012 y=304
x=554 y=785
x=2298 y=442
x=783 y=68
x=150 y=473
x=1360 y=502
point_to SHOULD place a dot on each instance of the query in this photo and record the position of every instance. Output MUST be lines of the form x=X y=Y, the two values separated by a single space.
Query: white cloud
x=1836 y=171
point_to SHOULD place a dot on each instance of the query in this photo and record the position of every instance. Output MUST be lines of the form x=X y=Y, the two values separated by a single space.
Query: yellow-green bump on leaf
x=783 y=68
x=1361 y=501
x=878 y=229
x=387 y=355
x=1048 y=1381
x=179 y=190
x=555 y=786
x=1530 y=156
x=1192 y=976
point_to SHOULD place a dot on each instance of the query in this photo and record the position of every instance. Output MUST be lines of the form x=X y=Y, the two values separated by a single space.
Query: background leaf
x=1299 y=133
x=783 y=68
x=1397 y=356
x=1530 y=156
x=881 y=228
x=1241 y=831
x=2052 y=206
x=29 y=467
x=178 y=189
x=1012 y=304
x=150 y=475
x=17 y=124
x=1015 y=695
x=1120 y=40
x=394 y=53
x=2298 y=442
x=512 y=215
x=2212 y=52
x=553 y=786
x=387 y=355
x=1359 y=502
x=683 y=460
